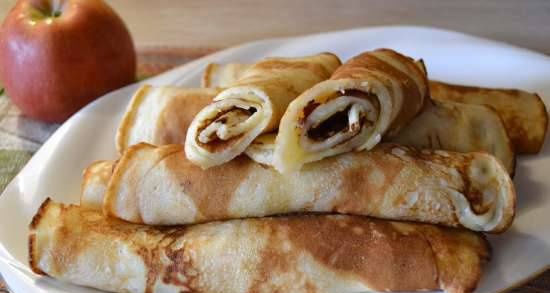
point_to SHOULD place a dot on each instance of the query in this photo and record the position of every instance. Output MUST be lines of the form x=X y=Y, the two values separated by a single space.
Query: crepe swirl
x=251 y=106
x=370 y=96
x=316 y=254
x=159 y=186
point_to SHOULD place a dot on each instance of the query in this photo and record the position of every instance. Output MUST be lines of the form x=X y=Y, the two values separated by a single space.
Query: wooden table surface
x=222 y=23
x=217 y=24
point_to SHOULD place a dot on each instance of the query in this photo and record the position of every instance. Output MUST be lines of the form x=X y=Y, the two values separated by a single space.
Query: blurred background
x=211 y=23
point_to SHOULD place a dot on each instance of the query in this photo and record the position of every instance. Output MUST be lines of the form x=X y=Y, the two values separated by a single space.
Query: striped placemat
x=20 y=137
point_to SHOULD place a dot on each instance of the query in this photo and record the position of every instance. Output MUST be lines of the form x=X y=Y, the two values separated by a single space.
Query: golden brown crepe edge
x=32 y=242
x=336 y=58
x=88 y=174
x=129 y=118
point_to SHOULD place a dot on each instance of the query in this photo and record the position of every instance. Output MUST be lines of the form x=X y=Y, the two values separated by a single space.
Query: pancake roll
x=330 y=254
x=159 y=186
x=253 y=105
x=441 y=125
x=372 y=95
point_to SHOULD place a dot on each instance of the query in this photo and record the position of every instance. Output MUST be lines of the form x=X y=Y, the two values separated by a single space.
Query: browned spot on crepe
x=310 y=287
x=274 y=261
x=148 y=256
x=361 y=247
x=177 y=116
x=155 y=241
x=68 y=249
x=211 y=189
x=177 y=271
x=517 y=132
x=359 y=192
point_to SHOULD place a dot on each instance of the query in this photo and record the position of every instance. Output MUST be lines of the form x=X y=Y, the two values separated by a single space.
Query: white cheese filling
x=362 y=114
x=237 y=119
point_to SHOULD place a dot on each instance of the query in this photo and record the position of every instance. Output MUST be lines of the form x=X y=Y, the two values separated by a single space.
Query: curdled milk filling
x=337 y=121
x=233 y=119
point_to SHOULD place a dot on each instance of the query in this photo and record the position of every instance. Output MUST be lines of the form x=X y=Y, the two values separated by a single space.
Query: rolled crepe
x=94 y=184
x=442 y=125
x=251 y=106
x=331 y=254
x=159 y=186
x=372 y=95
x=524 y=114
x=161 y=115
x=459 y=127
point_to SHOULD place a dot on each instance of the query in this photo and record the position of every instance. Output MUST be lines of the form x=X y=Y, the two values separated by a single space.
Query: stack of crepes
x=297 y=175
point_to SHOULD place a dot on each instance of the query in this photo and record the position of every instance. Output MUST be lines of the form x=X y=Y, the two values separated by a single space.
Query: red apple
x=57 y=56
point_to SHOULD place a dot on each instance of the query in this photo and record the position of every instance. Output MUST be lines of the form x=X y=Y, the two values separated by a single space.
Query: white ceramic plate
x=55 y=170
